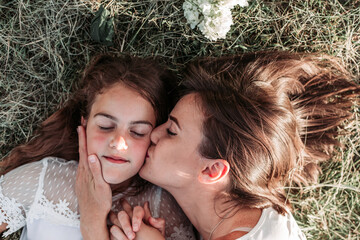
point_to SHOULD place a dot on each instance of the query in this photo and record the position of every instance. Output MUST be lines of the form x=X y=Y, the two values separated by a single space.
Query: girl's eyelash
x=105 y=128
x=170 y=132
x=138 y=134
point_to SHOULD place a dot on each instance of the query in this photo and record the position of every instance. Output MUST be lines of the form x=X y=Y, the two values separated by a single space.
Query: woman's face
x=118 y=132
x=173 y=159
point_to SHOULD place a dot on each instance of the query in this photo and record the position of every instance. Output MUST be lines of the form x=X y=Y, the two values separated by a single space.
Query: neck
x=210 y=219
x=200 y=209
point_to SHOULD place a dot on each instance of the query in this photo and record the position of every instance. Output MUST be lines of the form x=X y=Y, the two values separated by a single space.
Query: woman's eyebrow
x=174 y=119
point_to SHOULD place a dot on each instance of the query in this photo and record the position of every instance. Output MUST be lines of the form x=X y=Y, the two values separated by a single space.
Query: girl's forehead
x=123 y=103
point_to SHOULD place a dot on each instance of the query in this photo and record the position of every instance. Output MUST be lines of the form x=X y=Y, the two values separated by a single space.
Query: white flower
x=212 y=17
x=191 y=13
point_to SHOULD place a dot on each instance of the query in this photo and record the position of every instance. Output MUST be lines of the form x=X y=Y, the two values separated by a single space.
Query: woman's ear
x=214 y=171
x=83 y=121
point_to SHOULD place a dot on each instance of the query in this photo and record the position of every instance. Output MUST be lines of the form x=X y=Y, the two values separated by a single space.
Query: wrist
x=94 y=229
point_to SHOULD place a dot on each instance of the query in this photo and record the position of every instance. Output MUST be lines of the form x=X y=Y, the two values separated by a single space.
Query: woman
x=244 y=128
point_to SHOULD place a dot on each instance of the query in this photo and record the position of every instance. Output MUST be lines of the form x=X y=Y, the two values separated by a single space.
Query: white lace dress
x=40 y=197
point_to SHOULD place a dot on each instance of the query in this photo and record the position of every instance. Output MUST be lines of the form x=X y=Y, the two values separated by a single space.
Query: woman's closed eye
x=169 y=132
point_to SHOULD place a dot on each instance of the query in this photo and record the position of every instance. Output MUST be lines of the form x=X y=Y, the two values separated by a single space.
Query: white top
x=273 y=226
x=40 y=197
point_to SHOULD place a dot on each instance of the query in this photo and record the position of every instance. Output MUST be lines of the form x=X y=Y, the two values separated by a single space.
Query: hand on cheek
x=93 y=193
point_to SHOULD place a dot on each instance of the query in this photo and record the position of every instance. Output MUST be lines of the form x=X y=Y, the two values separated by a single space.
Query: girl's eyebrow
x=107 y=116
x=116 y=120
x=141 y=122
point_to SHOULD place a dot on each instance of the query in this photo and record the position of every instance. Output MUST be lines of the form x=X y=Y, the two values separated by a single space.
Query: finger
x=117 y=233
x=124 y=220
x=158 y=223
x=138 y=215
x=127 y=207
x=82 y=173
x=95 y=169
x=114 y=219
x=82 y=147
x=147 y=211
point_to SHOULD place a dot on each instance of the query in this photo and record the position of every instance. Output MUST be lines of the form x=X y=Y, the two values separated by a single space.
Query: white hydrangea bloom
x=191 y=13
x=217 y=26
x=212 y=17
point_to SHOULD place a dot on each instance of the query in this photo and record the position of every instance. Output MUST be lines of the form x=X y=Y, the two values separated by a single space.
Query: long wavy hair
x=57 y=135
x=273 y=116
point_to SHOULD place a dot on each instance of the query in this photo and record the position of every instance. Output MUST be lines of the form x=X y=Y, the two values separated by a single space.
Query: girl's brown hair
x=57 y=135
x=273 y=116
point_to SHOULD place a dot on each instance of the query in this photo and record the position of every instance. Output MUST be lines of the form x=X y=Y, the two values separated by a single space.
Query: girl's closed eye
x=138 y=134
x=105 y=128
x=140 y=131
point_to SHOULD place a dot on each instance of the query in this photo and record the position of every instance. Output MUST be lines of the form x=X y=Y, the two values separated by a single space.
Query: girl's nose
x=119 y=143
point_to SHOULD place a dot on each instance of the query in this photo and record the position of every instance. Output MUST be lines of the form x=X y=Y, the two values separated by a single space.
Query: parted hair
x=273 y=116
x=57 y=135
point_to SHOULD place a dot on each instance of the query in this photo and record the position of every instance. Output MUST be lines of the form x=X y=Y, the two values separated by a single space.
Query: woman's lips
x=116 y=160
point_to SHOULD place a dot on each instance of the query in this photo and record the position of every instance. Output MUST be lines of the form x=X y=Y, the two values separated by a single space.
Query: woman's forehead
x=188 y=111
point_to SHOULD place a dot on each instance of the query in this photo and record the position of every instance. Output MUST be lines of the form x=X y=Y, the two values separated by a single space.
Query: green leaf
x=102 y=27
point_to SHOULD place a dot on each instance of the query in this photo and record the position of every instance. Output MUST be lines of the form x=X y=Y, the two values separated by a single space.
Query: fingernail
x=92 y=159
x=131 y=235
x=136 y=227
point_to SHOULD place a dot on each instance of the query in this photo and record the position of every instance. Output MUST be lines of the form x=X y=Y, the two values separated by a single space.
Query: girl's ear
x=83 y=121
x=214 y=171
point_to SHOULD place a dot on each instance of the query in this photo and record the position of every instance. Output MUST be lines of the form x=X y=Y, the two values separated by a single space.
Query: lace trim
x=11 y=213
x=58 y=213
x=182 y=233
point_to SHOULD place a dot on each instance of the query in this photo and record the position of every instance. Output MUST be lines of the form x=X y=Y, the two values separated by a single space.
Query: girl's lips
x=116 y=160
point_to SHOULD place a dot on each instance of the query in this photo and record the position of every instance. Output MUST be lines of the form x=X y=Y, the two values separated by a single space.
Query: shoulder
x=276 y=226
x=56 y=198
x=60 y=167
x=23 y=178
x=59 y=178
x=60 y=162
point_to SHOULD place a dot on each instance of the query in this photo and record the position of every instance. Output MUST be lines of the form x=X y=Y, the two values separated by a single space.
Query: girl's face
x=118 y=132
x=173 y=159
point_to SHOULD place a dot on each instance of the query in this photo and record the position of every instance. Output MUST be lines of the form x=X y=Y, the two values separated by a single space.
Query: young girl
x=119 y=102
x=245 y=127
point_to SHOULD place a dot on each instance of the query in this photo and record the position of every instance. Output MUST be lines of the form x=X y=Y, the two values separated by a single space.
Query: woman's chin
x=142 y=173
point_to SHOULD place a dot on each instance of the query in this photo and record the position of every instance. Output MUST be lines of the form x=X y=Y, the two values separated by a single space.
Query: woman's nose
x=119 y=143
x=156 y=134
